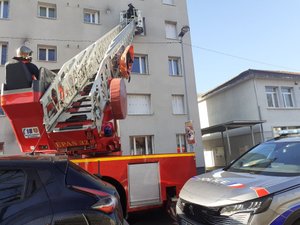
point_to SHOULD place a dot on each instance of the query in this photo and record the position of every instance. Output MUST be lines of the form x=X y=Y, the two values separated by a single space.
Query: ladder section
x=80 y=91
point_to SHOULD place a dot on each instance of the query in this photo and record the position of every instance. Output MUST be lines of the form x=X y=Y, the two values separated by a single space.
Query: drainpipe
x=259 y=111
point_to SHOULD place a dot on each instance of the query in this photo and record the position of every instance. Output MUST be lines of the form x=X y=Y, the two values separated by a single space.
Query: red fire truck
x=75 y=112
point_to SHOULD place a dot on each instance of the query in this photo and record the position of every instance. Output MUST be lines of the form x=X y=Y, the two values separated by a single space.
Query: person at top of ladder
x=131 y=13
x=24 y=55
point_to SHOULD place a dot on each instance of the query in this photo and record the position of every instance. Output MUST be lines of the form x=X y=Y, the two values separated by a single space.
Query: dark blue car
x=50 y=190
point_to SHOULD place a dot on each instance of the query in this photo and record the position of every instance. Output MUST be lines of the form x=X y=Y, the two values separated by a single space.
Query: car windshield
x=273 y=158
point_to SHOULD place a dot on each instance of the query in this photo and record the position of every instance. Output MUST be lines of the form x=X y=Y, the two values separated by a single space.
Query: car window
x=78 y=176
x=274 y=158
x=12 y=183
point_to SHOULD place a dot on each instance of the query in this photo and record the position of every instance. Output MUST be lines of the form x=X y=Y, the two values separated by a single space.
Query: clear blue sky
x=231 y=36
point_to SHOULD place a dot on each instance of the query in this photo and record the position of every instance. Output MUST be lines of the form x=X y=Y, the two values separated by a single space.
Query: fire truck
x=76 y=111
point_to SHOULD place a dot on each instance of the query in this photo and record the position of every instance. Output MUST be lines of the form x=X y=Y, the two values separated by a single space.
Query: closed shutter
x=171 y=30
x=178 y=104
x=139 y=104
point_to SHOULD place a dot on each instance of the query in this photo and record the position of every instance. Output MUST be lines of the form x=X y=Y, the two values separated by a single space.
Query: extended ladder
x=80 y=90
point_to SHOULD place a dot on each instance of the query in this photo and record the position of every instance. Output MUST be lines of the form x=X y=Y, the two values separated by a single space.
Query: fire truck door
x=144 y=185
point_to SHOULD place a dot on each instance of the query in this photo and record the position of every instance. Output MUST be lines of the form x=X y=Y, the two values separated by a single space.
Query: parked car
x=44 y=190
x=261 y=187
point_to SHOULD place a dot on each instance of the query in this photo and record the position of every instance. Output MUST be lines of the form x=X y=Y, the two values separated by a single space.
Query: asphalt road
x=151 y=217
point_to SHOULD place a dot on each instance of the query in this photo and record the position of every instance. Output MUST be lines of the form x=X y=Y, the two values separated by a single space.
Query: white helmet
x=24 y=52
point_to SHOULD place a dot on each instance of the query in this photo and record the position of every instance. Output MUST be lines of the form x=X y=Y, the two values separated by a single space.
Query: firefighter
x=130 y=11
x=24 y=55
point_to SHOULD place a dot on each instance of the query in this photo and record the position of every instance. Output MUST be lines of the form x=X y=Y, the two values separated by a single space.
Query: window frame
x=2 y=8
x=174 y=110
x=2 y=148
x=181 y=143
x=2 y=63
x=140 y=57
x=146 y=151
x=171 y=61
x=48 y=6
x=274 y=94
x=47 y=48
x=91 y=12
x=284 y=94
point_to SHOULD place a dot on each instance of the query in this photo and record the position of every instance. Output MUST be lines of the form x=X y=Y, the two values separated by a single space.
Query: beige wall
x=71 y=35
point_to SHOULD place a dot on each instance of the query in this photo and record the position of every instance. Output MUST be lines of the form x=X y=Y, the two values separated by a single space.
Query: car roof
x=286 y=138
x=32 y=158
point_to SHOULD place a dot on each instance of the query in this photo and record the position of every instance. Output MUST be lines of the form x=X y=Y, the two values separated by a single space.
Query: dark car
x=51 y=190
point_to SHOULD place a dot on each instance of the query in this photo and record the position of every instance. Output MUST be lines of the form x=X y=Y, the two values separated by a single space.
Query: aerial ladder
x=75 y=112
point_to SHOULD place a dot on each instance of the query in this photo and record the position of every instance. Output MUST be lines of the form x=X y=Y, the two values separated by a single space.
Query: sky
x=231 y=36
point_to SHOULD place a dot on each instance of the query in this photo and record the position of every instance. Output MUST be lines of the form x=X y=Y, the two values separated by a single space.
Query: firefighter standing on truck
x=24 y=55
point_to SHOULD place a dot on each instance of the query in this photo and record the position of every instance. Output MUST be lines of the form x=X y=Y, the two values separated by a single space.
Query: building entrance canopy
x=225 y=127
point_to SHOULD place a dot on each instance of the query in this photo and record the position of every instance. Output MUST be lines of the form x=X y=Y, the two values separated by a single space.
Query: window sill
x=175 y=75
x=140 y=74
x=92 y=23
x=283 y=108
x=44 y=61
x=7 y=19
x=48 y=18
x=168 y=4
x=179 y=114
x=151 y=114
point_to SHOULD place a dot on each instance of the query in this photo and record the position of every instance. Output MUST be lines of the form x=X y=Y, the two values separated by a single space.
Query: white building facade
x=56 y=30
x=263 y=101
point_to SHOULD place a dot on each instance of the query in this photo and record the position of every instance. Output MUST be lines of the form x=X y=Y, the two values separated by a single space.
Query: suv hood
x=221 y=187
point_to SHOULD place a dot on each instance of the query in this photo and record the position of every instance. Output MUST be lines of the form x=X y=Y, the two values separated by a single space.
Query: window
x=168 y=2
x=272 y=96
x=3 y=53
x=181 y=143
x=171 y=31
x=178 y=104
x=141 y=145
x=174 y=66
x=3 y=9
x=140 y=64
x=1 y=112
x=91 y=16
x=287 y=97
x=46 y=10
x=139 y=104
x=1 y=148
x=12 y=184
x=47 y=53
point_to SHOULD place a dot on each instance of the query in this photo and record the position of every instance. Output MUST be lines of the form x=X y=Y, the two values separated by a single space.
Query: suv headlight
x=255 y=206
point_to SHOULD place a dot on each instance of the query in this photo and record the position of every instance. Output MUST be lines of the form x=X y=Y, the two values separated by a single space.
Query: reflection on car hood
x=220 y=187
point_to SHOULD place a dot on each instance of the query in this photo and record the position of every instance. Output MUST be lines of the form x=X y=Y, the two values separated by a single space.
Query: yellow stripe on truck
x=118 y=158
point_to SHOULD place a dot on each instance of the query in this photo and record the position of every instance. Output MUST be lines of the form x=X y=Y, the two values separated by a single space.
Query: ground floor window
x=1 y=148
x=181 y=143
x=141 y=145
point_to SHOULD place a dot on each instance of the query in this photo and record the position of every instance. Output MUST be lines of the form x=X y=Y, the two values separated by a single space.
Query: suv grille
x=211 y=216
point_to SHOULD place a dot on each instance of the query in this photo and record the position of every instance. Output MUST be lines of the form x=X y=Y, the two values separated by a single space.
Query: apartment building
x=252 y=107
x=56 y=30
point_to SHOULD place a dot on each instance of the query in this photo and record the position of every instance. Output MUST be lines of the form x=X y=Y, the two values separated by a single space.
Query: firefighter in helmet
x=24 y=55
